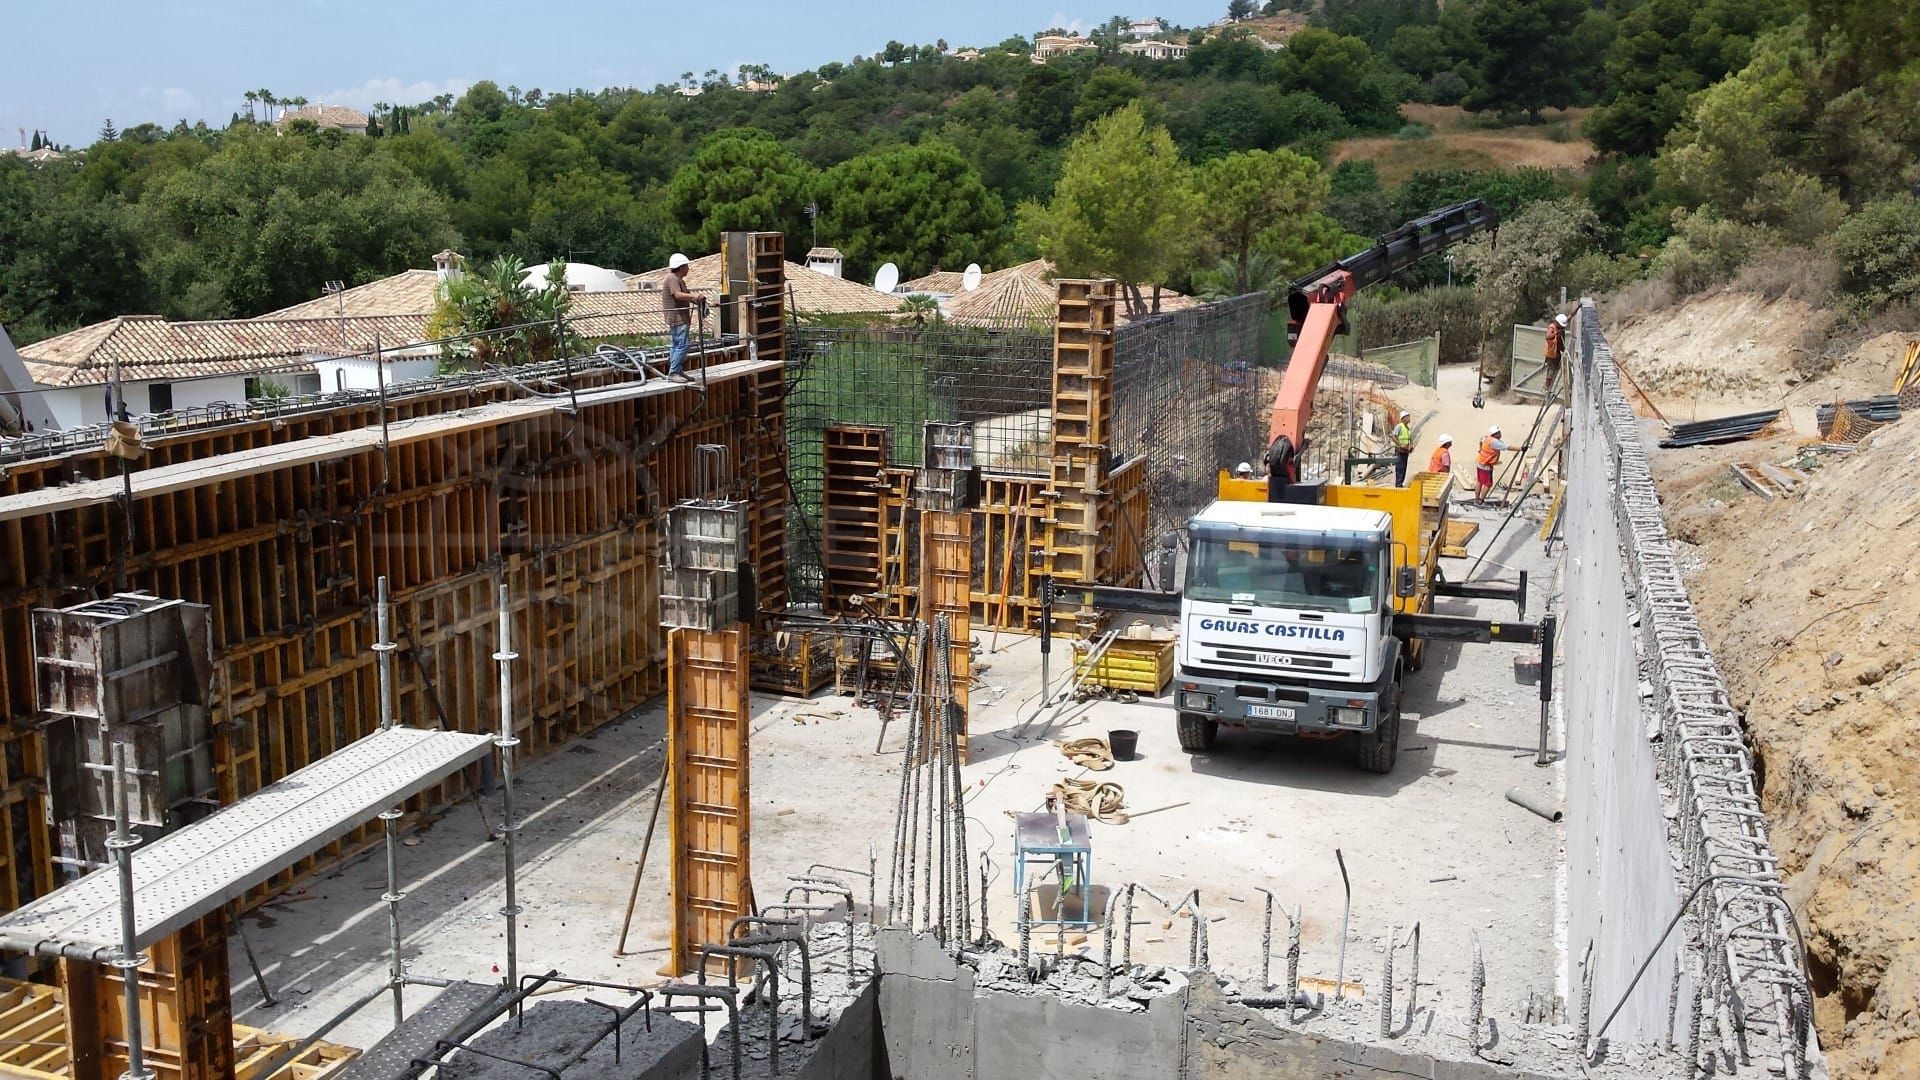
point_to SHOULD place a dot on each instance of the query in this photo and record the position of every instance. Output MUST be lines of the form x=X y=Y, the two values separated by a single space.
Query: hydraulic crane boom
x=1316 y=311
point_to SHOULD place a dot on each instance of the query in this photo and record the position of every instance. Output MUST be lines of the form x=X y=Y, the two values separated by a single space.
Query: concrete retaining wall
x=1663 y=806
x=1620 y=880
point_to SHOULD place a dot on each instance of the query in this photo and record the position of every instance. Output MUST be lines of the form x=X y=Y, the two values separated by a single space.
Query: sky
x=69 y=65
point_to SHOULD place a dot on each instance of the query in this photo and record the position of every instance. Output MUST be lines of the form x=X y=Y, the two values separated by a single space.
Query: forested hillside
x=1724 y=129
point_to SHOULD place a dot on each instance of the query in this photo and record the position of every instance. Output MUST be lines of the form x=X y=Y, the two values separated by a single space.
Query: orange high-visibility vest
x=1554 y=341
x=1441 y=461
x=1488 y=455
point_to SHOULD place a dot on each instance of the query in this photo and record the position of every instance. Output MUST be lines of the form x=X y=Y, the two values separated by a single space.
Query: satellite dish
x=970 y=280
x=887 y=278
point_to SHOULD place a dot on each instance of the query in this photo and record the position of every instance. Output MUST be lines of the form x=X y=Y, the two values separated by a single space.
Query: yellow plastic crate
x=1142 y=665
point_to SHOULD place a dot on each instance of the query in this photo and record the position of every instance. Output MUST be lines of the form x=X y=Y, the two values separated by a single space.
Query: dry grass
x=1462 y=140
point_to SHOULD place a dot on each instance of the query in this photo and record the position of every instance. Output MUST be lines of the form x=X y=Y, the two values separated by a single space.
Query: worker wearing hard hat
x=1243 y=471
x=1490 y=448
x=677 y=304
x=1402 y=447
x=1555 y=349
x=1442 y=459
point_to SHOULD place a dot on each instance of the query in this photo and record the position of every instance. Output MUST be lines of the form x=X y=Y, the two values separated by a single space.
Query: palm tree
x=252 y=96
x=497 y=298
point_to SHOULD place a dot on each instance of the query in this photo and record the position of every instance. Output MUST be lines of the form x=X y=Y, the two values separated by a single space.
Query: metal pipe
x=396 y=978
x=1340 y=974
x=639 y=868
x=383 y=652
x=1535 y=803
x=506 y=742
x=121 y=844
x=1549 y=623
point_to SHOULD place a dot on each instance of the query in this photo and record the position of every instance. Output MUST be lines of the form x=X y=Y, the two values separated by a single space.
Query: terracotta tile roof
x=149 y=347
x=1024 y=294
x=409 y=292
x=813 y=293
x=325 y=116
x=940 y=281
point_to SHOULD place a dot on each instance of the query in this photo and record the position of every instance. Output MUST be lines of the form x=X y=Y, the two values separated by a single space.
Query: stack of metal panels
x=1723 y=430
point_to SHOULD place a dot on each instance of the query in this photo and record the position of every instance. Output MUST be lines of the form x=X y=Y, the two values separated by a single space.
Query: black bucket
x=1123 y=743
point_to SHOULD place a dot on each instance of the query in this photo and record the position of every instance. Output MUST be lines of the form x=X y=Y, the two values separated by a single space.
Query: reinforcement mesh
x=1188 y=392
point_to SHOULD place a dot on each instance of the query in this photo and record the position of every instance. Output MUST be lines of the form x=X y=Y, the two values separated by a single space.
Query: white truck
x=1287 y=626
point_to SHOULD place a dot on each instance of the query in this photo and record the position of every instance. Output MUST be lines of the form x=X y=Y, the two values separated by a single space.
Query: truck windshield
x=1305 y=575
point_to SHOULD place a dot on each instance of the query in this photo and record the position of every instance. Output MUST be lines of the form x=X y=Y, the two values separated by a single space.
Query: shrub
x=1878 y=251
x=1595 y=273
x=1805 y=274
x=1458 y=313
x=1706 y=250
x=1446 y=88
x=1413 y=131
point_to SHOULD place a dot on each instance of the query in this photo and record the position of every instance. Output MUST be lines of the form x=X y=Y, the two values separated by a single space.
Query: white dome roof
x=581 y=277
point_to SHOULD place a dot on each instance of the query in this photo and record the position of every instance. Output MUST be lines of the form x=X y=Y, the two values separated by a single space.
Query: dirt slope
x=1812 y=605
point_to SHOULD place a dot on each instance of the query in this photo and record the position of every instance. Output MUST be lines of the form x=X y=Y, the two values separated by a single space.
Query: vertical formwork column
x=1078 y=532
x=853 y=461
x=754 y=286
x=707 y=787
x=186 y=1008
x=946 y=588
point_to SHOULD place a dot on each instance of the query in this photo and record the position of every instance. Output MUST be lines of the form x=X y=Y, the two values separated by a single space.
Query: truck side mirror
x=1409 y=578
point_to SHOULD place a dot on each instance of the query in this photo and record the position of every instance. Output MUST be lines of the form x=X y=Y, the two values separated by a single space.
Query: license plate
x=1269 y=712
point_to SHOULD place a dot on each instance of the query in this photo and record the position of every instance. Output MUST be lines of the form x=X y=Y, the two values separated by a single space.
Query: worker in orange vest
x=1442 y=459
x=1490 y=448
x=1555 y=348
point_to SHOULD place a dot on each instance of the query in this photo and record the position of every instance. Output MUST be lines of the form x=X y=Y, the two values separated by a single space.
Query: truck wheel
x=1378 y=752
x=1197 y=733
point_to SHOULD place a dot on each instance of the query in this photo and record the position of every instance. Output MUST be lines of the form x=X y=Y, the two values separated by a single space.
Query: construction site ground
x=1434 y=842
x=1812 y=605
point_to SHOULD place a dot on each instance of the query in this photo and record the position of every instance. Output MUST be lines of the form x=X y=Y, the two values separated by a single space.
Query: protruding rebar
x=1266 y=943
x=506 y=741
x=1476 y=994
x=1386 y=985
x=1346 y=912
x=1413 y=976
x=129 y=959
x=1585 y=1027
x=985 y=935
x=1293 y=961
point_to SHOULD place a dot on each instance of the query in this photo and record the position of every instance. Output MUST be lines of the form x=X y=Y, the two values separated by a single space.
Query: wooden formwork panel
x=853 y=462
x=1009 y=526
x=899 y=545
x=1079 y=529
x=946 y=588
x=559 y=507
x=186 y=1009
x=707 y=785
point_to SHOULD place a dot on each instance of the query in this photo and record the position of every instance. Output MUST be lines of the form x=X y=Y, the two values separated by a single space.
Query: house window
x=159 y=397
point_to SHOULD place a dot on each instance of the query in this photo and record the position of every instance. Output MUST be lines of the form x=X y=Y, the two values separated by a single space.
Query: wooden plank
x=946 y=588
x=709 y=801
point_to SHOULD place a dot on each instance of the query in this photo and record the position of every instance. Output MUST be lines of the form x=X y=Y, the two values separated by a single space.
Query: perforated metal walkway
x=187 y=874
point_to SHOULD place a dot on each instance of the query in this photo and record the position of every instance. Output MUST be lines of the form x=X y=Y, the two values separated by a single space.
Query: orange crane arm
x=1316 y=311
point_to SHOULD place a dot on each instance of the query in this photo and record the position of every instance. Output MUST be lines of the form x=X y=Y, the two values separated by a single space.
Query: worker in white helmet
x=677 y=304
x=1490 y=449
x=1243 y=471
x=1442 y=459
x=1555 y=348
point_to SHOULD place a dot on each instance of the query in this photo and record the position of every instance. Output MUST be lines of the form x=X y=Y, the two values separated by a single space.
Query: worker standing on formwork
x=677 y=305
x=1490 y=448
x=1402 y=447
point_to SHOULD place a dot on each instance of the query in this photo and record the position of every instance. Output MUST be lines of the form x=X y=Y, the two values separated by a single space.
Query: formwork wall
x=561 y=507
x=1662 y=804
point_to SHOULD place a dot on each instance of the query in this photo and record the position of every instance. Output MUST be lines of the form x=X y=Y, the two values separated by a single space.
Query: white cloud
x=1063 y=21
x=175 y=100
x=393 y=92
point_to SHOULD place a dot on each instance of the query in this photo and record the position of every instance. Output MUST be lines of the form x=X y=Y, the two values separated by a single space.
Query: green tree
x=71 y=258
x=1106 y=90
x=918 y=206
x=502 y=319
x=1530 y=262
x=107 y=131
x=1046 y=98
x=1879 y=254
x=1664 y=51
x=740 y=179
x=1341 y=70
x=1521 y=69
x=592 y=210
x=1243 y=196
x=1124 y=206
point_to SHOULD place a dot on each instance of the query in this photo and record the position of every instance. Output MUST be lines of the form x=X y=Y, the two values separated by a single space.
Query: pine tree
x=37 y=144
x=109 y=133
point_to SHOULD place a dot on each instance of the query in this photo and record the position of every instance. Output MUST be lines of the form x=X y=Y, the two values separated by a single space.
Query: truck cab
x=1287 y=613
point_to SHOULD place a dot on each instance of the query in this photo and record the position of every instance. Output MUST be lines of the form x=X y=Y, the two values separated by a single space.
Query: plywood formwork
x=186 y=1009
x=285 y=554
x=853 y=460
x=946 y=588
x=707 y=788
x=1079 y=528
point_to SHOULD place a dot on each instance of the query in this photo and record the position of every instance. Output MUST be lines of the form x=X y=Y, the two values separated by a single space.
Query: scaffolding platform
x=190 y=873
